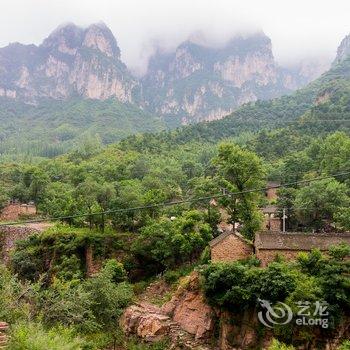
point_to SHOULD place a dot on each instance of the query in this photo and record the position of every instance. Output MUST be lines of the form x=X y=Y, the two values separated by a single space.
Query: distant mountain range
x=193 y=83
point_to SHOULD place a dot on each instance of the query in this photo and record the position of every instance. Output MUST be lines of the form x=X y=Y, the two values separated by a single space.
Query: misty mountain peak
x=98 y=36
x=343 y=51
x=71 y=61
x=200 y=79
x=68 y=38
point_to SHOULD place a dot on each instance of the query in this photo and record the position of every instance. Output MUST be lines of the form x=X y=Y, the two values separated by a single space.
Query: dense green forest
x=65 y=307
x=53 y=127
x=115 y=199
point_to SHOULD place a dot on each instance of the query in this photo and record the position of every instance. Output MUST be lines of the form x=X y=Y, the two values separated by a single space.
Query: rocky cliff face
x=196 y=82
x=343 y=51
x=188 y=322
x=193 y=83
x=71 y=61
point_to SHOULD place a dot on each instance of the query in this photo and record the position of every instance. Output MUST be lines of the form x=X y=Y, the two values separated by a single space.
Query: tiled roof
x=270 y=209
x=299 y=241
x=225 y=234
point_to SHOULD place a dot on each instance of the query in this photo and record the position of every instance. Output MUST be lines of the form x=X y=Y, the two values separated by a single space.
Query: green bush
x=171 y=277
x=14 y=297
x=164 y=243
x=239 y=285
x=345 y=345
x=33 y=336
x=276 y=345
x=67 y=304
x=114 y=270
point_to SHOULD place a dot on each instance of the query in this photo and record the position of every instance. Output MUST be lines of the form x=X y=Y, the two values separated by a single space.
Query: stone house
x=267 y=245
x=272 y=222
x=13 y=210
x=271 y=191
x=230 y=246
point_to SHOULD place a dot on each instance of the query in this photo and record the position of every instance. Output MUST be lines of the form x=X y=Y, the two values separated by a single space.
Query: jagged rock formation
x=186 y=320
x=343 y=51
x=71 y=61
x=197 y=82
x=194 y=83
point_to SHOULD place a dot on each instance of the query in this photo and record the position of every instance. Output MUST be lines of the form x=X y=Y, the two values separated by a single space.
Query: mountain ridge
x=193 y=83
x=70 y=61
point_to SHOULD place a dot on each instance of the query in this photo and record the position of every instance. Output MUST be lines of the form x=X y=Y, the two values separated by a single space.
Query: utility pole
x=284 y=220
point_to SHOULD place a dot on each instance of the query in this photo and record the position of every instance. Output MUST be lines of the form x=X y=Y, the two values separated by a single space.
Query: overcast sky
x=298 y=28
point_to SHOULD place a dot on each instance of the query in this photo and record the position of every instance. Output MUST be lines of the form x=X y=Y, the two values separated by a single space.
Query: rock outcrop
x=197 y=82
x=343 y=51
x=193 y=83
x=71 y=61
x=3 y=335
x=189 y=309
x=186 y=319
x=146 y=321
x=189 y=322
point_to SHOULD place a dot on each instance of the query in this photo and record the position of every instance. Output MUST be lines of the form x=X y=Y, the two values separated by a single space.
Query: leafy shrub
x=13 y=296
x=171 y=277
x=205 y=256
x=345 y=345
x=276 y=345
x=33 y=336
x=67 y=304
x=165 y=243
x=339 y=252
x=238 y=285
x=114 y=270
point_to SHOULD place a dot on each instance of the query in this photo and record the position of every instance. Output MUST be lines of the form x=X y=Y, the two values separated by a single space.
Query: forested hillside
x=54 y=127
x=130 y=219
x=323 y=106
x=112 y=201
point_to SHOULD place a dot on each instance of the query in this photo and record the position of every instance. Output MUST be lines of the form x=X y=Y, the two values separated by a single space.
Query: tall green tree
x=317 y=203
x=241 y=171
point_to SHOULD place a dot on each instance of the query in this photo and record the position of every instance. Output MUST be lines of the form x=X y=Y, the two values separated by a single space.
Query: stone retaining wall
x=8 y=237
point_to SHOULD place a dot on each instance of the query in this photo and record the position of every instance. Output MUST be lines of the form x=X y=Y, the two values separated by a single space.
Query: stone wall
x=268 y=255
x=8 y=237
x=93 y=265
x=271 y=193
x=231 y=248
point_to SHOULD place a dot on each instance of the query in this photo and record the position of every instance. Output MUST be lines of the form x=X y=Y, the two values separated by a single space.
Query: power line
x=167 y=204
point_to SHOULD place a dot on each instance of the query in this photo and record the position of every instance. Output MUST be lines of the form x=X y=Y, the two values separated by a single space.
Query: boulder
x=192 y=314
x=189 y=309
x=146 y=321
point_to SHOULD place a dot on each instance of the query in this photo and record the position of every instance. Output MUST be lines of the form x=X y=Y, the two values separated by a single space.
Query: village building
x=272 y=220
x=271 y=191
x=267 y=245
x=230 y=246
x=13 y=210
